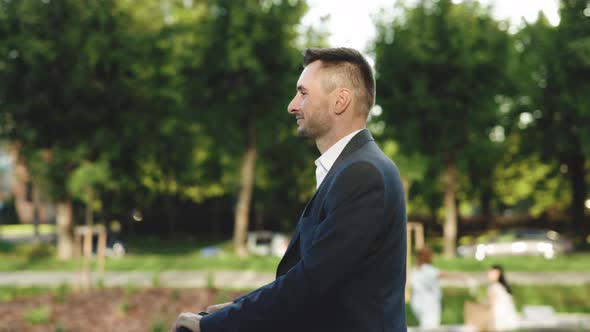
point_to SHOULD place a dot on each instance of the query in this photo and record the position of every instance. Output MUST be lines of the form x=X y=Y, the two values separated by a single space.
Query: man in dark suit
x=345 y=268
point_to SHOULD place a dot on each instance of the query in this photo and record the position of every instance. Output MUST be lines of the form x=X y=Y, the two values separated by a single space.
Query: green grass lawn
x=25 y=229
x=571 y=262
x=155 y=254
x=147 y=254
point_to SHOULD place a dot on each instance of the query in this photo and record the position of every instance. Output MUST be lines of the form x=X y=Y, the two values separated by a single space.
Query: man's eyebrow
x=301 y=88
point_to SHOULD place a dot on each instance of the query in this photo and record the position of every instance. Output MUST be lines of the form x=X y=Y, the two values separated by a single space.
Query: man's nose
x=293 y=106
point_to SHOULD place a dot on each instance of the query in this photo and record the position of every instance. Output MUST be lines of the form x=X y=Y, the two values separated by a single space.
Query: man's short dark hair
x=349 y=62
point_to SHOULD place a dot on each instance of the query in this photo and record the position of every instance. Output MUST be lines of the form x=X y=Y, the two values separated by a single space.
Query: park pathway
x=251 y=279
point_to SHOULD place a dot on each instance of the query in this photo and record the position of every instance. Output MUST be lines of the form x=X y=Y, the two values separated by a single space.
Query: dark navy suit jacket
x=345 y=268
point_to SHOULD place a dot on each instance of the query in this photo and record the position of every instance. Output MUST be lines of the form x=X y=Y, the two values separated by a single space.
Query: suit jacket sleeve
x=341 y=243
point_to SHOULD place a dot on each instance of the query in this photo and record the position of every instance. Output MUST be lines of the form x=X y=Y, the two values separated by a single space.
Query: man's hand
x=213 y=308
x=189 y=320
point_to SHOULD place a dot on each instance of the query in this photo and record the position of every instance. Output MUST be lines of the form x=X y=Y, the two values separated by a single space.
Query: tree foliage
x=554 y=112
x=439 y=68
x=154 y=105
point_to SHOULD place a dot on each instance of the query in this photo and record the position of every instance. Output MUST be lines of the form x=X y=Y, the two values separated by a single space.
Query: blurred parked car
x=114 y=246
x=266 y=243
x=517 y=242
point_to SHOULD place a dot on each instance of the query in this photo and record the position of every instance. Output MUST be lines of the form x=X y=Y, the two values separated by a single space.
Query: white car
x=517 y=242
x=266 y=243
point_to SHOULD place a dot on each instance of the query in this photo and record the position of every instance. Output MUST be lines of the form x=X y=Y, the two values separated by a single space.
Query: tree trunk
x=170 y=214
x=65 y=241
x=36 y=213
x=577 y=174
x=406 y=184
x=215 y=224
x=449 y=179
x=460 y=221
x=89 y=214
x=245 y=197
x=432 y=224
x=486 y=206
x=259 y=217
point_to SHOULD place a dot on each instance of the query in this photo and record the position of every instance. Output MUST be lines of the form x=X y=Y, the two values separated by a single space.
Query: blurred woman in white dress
x=504 y=315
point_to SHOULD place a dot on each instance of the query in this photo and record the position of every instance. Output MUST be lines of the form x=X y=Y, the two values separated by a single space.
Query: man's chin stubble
x=302 y=134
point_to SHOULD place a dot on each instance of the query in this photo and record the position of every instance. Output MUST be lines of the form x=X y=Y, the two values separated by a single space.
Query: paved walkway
x=524 y=278
x=193 y=279
x=251 y=279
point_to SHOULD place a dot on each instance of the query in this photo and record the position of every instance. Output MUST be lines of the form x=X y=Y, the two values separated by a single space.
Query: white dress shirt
x=328 y=158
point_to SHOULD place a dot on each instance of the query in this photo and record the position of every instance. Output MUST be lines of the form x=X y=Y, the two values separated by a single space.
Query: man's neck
x=326 y=142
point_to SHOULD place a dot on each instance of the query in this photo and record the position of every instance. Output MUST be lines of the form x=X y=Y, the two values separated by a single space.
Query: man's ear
x=343 y=100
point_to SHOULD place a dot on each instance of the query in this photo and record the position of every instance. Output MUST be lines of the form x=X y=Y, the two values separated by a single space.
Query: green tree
x=439 y=67
x=555 y=115
x=90 y=92
x=523 y=177
x=59 y=84
x=177 y=160
x=285 y=178
x=249 y=57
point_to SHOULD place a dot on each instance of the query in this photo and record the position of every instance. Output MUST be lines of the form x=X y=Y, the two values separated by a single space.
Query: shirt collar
x=328 y=158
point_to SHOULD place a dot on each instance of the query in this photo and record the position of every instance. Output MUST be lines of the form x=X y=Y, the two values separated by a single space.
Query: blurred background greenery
x=165 y=121
x=168 y=117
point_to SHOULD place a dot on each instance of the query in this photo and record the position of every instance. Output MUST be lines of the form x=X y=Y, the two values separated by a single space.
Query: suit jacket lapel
x=295 y=237
x=355 y=143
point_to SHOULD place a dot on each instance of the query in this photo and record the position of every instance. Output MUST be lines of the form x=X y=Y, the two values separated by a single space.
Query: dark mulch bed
x=113 y=309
